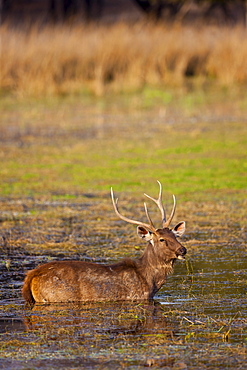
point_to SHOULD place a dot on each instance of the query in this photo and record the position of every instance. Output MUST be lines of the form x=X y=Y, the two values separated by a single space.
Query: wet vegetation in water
x=58 y=161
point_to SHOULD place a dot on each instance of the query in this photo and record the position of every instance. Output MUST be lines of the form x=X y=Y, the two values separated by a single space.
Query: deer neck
x=154 y=268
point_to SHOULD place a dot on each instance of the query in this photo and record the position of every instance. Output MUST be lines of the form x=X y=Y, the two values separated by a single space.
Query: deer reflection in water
x=109 y=319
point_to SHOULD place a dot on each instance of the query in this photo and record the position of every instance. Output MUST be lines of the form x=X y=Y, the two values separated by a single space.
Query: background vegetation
x=66 y=147
x=120 y=57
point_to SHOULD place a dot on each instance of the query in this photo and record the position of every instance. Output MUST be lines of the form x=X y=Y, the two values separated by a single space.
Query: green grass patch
x=68 y=148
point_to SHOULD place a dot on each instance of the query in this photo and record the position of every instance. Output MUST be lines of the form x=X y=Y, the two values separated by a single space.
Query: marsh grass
x=63 y=160
x=137 y=334
x=120 y=57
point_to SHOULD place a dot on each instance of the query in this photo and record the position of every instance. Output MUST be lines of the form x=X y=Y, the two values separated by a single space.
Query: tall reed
x=64 y=59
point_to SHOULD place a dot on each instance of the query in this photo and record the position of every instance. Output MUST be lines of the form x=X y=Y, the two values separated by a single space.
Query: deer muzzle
x=181 y=252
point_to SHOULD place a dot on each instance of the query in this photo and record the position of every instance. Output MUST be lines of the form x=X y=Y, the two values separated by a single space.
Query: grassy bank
x=120 y=57
x=67 y=147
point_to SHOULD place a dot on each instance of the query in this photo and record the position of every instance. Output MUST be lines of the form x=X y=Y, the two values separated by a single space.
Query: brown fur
x=67 y=281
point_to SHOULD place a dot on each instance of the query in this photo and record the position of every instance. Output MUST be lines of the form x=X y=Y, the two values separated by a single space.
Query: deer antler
x=149 y=226
x=167 y=223
x=158 y=201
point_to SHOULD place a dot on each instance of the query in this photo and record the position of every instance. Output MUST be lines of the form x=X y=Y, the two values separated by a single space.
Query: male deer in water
x=129 y=279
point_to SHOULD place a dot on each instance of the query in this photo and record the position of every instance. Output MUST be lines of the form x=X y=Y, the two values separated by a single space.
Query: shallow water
x=198 y=320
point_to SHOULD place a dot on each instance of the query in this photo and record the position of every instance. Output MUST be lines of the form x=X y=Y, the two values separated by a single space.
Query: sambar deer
x=129 y=279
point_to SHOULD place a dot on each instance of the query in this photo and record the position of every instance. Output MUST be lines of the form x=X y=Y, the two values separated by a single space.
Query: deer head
x=164 y=240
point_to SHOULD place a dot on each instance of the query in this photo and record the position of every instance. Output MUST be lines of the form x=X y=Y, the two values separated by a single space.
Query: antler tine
x=148 y=216
x=159 y=203
x=167 y=223
x=114 y=202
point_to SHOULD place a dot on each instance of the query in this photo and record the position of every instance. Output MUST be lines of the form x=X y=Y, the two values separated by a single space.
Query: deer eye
x=164 y=241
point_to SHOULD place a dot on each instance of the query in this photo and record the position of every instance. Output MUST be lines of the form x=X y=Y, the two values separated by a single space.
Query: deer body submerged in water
x=129 y=279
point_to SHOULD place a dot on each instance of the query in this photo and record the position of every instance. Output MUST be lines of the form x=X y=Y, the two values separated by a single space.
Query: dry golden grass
x=120 y=57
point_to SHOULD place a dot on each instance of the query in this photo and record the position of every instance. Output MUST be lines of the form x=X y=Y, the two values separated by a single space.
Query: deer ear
x=143 y=233
x=179 y=229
